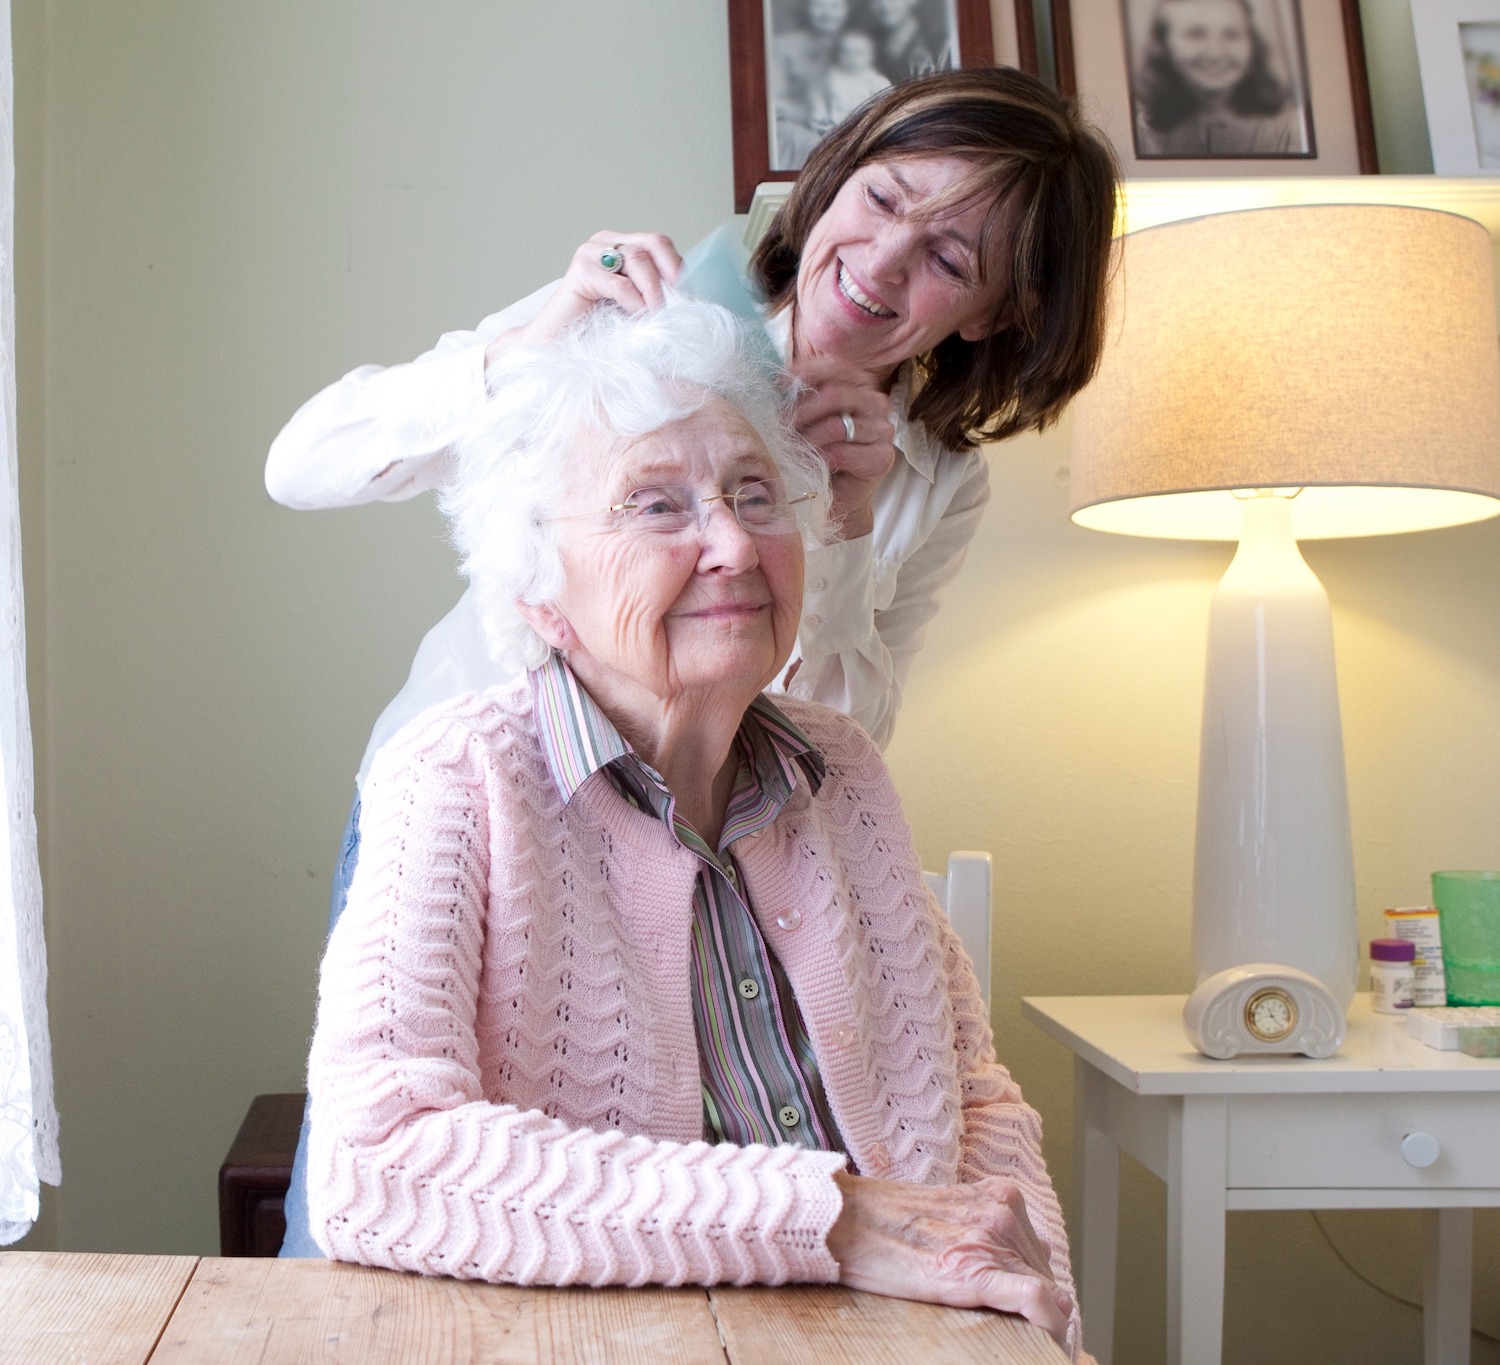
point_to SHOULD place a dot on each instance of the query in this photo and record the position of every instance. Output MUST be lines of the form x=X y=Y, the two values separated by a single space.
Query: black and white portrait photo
x=825 y=58
x=1218 y=78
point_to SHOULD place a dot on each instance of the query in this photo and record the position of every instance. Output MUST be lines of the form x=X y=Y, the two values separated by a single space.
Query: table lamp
x=1275 y=375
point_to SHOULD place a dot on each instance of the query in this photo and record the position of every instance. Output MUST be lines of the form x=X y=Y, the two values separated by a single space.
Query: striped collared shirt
x=759 y=1075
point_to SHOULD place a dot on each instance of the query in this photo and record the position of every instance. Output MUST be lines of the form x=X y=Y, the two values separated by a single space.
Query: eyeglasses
x=761 y=507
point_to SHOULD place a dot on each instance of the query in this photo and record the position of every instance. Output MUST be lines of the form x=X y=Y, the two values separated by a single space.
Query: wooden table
x=1385 y=1123
x=122 y=1310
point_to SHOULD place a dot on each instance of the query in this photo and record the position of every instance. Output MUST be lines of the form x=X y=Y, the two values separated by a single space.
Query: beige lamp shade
x=1348 y=351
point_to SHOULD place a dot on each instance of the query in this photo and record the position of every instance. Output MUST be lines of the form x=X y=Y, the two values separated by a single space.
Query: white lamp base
x=1273 y=880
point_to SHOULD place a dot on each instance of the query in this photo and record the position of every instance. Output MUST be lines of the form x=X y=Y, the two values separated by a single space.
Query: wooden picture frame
x=771 y=49
x=1284 y=93
x=1458 y=54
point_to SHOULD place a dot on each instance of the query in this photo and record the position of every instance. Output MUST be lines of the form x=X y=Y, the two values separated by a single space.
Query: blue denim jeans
x=298 y=1240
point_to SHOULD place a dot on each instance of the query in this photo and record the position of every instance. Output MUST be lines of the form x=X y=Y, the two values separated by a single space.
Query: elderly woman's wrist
x=842 y=1234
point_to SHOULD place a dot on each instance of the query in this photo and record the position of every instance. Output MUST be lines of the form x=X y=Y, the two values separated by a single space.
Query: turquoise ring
x=612 y=258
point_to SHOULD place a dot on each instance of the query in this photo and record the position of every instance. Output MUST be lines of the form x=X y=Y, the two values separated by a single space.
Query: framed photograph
x=798 y=67
x=1458 y=53
x=1221 y=87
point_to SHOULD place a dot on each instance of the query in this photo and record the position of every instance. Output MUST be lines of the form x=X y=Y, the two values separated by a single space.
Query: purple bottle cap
x=1392 y=950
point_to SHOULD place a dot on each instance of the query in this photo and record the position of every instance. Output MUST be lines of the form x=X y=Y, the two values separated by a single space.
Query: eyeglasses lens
x=759 y=506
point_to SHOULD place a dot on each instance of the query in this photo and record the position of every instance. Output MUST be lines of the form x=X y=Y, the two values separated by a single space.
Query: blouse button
x=789 y=920
x=749 y=988
x=788 y=1116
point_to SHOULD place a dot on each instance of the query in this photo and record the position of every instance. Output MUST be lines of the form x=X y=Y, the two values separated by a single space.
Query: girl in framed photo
x=1207 y=85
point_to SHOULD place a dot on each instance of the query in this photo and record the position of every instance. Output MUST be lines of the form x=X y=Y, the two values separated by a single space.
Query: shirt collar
x=911 y=439
x=578 y=739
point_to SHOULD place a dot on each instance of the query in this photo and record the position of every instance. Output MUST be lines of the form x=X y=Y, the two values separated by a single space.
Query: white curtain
x=28 y=1115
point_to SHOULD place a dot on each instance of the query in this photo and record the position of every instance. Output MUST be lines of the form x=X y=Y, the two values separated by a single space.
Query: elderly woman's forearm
x=495 y=1193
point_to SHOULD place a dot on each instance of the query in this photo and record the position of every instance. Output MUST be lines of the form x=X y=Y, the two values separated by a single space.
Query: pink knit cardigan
x=504 y=1075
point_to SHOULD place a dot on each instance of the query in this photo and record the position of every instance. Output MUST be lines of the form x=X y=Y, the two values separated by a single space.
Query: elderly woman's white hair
x=611 y=377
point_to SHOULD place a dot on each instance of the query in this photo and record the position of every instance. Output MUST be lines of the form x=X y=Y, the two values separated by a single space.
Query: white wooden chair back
x=964 y=893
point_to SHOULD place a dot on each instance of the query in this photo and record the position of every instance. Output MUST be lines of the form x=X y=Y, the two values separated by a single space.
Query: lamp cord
x=1379 y=1289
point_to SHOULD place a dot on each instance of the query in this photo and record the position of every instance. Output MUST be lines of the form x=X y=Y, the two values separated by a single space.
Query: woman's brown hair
x=1051 y=180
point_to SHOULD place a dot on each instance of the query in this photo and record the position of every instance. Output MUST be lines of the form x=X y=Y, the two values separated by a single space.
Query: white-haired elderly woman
x=638 y=981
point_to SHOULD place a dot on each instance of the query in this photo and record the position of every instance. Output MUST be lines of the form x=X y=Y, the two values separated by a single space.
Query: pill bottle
x=1392 y=974
x=1419 y=923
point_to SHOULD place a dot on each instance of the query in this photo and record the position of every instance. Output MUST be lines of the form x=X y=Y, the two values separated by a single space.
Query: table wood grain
x=242 y=1310
x=819 y=1324
x=103 y=1310
x=57 y=1308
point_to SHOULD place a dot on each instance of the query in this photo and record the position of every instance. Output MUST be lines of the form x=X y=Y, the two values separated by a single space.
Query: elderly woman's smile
x=707 y=605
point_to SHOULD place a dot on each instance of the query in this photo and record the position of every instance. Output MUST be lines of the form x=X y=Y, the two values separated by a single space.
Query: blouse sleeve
x=383 y=433
x=413 y=1166
x=855 y=654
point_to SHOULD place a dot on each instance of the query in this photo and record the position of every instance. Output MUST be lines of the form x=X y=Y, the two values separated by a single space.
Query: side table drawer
x=1333 y=1141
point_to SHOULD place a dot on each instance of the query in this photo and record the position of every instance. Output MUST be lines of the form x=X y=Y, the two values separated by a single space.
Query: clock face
x=1270 y=1014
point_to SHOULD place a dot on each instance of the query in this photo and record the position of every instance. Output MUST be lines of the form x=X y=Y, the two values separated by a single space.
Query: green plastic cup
x=1468 y=906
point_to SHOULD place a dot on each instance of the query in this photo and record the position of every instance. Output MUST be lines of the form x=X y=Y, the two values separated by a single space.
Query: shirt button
x=844 y=1035
x=749 y=988
x=789 y=920
x=788 y=1116
x=814 y=621
x=818 y=583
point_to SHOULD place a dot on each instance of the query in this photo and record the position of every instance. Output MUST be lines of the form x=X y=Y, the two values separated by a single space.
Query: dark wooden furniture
x=255 y=1175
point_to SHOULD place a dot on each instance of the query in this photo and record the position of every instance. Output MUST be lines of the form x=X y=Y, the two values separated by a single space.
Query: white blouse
x=385 y=433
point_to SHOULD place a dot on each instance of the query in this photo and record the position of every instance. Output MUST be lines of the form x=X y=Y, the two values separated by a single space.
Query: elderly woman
x=638 y=980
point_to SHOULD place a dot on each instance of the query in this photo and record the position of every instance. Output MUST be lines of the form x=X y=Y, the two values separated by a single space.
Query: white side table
x=1349 y=1132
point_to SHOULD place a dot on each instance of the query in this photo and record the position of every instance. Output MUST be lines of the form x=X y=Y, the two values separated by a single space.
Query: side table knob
x=1419 y=1150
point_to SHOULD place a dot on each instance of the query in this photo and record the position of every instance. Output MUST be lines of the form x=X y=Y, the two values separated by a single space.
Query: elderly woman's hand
x=967 y=1246
x=648 y=263
x=857 y=463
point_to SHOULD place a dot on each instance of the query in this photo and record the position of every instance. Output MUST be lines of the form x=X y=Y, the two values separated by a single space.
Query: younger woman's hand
x=856 y=462
x=650 y=264
x=967 y=1246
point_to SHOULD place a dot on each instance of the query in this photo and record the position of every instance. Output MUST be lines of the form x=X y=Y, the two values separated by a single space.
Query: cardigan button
x=880 y=1158
x=844 y=1035
x=789 y=920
